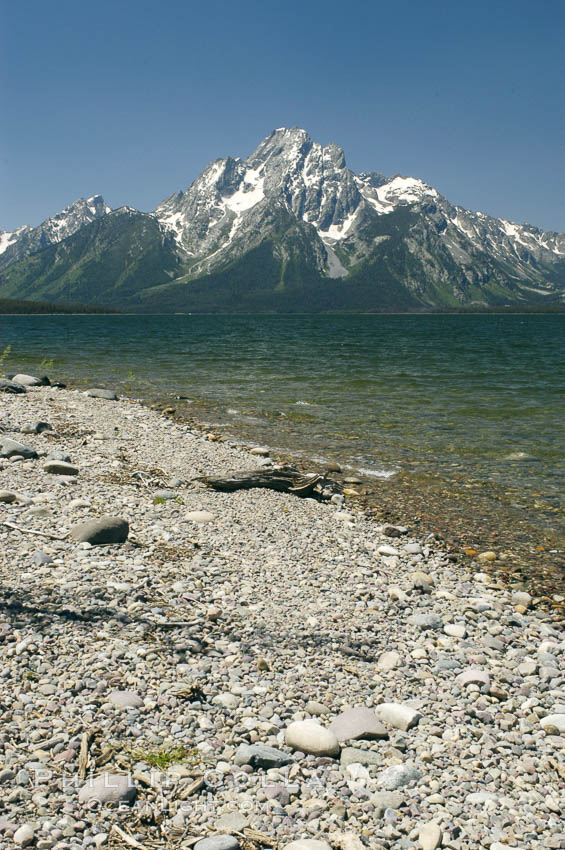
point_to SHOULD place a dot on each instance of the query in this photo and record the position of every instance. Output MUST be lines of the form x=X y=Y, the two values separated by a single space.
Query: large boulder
x=105 y=529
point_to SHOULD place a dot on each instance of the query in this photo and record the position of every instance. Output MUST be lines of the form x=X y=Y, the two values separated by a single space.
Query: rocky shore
x=189 y=668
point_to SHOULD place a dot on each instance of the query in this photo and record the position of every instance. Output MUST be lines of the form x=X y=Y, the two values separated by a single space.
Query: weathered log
x=285 y=479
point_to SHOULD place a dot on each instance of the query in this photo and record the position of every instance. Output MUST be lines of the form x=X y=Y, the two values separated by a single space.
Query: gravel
x=180 y=681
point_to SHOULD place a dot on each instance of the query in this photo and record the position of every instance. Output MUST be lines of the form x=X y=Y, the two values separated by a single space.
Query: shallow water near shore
x=468 y=409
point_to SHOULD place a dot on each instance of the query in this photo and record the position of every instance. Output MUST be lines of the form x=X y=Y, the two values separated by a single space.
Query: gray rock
x=354 y=755
x=398 y=776
x=316 y=708
x=430 y=836
x=24 y=835
x=200 y=516
x=30 y=381
x=60 y=467
x=217 y=842
x=260 y=755
x=108 y=788
x=307 y=844
x=165 y=495
x=426 y=621
x=58 y=454
x=481 y=797
x=100 y=392
x=125 y=699
x=8 y=448
x=98 y=532
x=521 y=598
x=389 y=660
x=473 y=677
x=554 y=723
x=231 y=822
x=7 y=386
x=7 y=496
x=358 y=723
x=36 y=428
x=383 y=800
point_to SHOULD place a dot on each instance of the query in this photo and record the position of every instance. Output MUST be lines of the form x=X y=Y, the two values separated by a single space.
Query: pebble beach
x=183 y=667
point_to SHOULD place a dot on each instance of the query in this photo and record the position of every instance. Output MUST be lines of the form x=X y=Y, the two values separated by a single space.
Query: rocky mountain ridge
x=300 y=224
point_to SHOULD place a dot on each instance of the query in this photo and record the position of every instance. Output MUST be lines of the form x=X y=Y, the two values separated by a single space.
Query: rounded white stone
x=309 y=737
x=200 y=516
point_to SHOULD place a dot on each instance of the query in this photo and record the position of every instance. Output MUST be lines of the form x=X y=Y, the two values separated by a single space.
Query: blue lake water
x=481 y=397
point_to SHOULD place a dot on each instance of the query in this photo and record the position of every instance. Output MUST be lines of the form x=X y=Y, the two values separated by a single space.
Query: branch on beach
x=285 y=479
x=37 y=533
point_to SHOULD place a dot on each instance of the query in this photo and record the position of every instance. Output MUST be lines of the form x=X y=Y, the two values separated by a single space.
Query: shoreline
x=468 y=515
x=179 y=656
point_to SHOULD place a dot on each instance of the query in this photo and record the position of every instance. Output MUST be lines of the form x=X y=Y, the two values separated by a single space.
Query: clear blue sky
x=131 y=99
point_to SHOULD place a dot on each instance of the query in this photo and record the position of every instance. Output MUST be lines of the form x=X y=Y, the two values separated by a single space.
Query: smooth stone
x=58 y=454
x=333 y=466
x=487 y=556
x=398 y=776
x=430 y=836
x=260 y=451
x=7 y=386
x=420 y=577
x=554 y=721
x=99 y=392
x=200 y=516
x=100 y=531
x=481 y=797
x=383 y=800
x=40 y=558
x=388 y=551
x=393 y=530
x=59 y=467
x=521 y=598
x=10 y=448
x=28 y=381
x=217 y=842
x=232 y=822
x=24 y=835
x=426 y=621
x=7 y=497
x=108 y=788
x=413 y=549
x=36 y=428
x=166 y=495
x=473 y=676
x=307 y=844
x=125 y=699
x=307 y=736
x=357 y=723
x=260 y=755
x=389 y=660
x=397 y=715
x=455 y=630
x=353 y=755
x=316 y=708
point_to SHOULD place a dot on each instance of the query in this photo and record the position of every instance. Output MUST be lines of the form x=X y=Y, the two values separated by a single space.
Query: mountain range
x=290 y=229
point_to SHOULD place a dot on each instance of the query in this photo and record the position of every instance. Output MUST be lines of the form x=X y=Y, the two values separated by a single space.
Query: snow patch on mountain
x=10 y=238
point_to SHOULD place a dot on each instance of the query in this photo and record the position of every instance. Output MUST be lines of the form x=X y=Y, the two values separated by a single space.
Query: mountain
x=290 y=228
x=28 y=240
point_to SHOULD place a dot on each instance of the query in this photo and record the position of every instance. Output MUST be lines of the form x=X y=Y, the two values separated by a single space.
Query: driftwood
x=286 y=479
